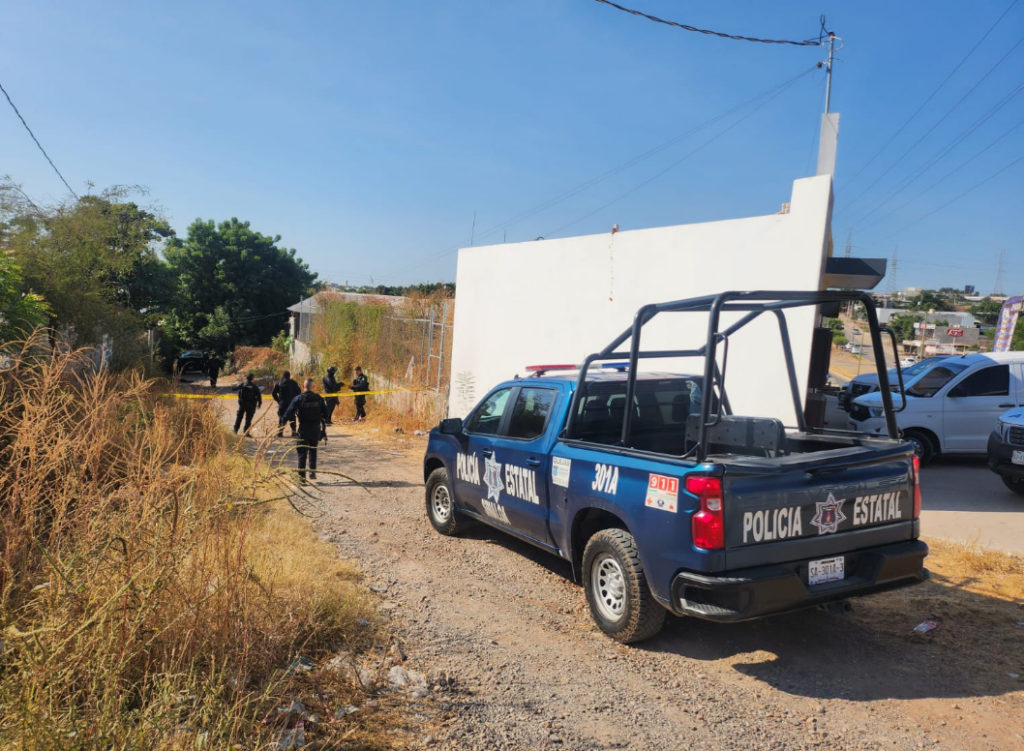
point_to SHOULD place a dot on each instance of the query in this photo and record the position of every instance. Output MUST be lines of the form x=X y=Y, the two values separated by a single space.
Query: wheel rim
x=441 y=504
x=918 y=446
x=609 y=587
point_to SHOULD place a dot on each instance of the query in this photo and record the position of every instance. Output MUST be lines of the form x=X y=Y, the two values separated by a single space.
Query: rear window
x=660 y=406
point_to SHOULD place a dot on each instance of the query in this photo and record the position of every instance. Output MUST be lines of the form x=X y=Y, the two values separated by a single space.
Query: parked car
x=662 y=500
x=907 y=362
x=952 y=405
x=1006 y=450
x=191 y=359
x=867 y=383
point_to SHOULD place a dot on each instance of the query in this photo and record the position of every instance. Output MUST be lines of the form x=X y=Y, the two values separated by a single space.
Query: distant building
x=305 y=311
x=968 y=289
x=953 y=318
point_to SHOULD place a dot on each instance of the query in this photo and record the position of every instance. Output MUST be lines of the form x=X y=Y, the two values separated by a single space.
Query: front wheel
x=441 y=504
x=617 y=591
x=1016 y=484
x=923 y=447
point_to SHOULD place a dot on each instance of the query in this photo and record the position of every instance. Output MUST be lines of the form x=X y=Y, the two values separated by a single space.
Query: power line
x=937 y=123
x=16 y=112
x=906 y=182
x=544 y=205
x=686 y=27
x=673 y=165
x=930 y=97
x=957 y=198
x=948 y=174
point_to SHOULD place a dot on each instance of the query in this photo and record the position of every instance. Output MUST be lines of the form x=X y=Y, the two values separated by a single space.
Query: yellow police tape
x=235 y=396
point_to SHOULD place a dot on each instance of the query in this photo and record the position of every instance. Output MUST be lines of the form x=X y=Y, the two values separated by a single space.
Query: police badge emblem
x=829 y=515
x=492 y=477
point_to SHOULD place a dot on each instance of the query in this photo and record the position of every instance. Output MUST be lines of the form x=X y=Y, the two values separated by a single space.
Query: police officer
x=312 y=413
x=249 y=400
x=284 y=393
x=331 y=386
x=213 y=366
x=360 y=383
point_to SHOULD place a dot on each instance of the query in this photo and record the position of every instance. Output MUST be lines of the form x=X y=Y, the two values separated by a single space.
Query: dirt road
x=529 y=670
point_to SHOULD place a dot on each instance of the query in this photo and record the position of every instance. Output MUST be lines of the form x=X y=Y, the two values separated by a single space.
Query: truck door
x=472 y=479
x=971 y=406
x=522 y=456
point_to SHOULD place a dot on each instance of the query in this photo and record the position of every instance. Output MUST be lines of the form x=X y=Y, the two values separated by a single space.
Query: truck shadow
x=872 y=653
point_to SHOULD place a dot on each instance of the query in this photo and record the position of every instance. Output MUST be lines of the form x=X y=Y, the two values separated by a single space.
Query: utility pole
x=828 y=67
x=849 y=245
x=828 y=140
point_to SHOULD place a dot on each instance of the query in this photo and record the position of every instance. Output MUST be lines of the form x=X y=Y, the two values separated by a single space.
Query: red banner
x=954 y=332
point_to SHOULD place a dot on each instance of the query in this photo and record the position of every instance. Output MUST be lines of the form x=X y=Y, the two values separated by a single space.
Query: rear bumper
x=766 y=590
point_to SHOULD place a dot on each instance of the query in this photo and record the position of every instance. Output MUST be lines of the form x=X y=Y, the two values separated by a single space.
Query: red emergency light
x=539 y=370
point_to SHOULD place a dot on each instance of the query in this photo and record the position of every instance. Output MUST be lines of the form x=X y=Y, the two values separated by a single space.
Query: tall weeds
x=148 y=597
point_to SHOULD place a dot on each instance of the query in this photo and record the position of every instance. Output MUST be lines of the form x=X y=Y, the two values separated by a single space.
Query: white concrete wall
x=556 y=301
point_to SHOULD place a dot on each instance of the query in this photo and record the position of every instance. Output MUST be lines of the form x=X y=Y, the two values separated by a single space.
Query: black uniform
x=331 y=386
x=213 y=370
x=284 y=393
x=361 y=383
x=249 y=400
x=311 y=410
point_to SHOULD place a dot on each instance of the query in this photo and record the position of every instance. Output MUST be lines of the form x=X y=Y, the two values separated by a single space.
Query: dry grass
x=976 y=596
x=151 y=595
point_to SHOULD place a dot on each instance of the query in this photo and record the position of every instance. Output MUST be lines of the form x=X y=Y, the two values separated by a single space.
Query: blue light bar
x=619 y=366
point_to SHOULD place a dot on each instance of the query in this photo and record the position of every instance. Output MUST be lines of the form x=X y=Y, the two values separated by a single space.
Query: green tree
x=903 y=326
x=987 y=311
x=232 y=283
x=929 y=300
x=20 y=311
x=95 y=262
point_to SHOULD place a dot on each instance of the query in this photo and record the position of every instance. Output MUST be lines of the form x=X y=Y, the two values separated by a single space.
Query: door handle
x=487 y=452
x=533 y=461
x=1007 y=406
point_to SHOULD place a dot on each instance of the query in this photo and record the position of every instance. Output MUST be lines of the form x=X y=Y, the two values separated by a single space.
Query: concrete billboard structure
x=556 y=301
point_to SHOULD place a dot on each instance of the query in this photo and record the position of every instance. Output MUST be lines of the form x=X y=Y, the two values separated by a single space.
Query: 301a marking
x=606 y=479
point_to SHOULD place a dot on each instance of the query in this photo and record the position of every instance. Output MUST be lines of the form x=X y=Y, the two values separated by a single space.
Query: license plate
x=826 y=570
x=1017 y=457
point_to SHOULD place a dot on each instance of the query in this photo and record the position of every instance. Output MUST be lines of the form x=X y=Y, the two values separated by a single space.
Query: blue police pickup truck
x=664 y=501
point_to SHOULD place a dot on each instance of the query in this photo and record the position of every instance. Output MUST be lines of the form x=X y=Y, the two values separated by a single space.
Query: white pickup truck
x=952 y=406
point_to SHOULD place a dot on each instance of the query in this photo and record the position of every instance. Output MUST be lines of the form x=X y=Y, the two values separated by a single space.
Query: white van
x=952 y=405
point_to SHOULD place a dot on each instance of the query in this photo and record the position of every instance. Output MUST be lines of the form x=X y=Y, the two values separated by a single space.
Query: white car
x=952 y=405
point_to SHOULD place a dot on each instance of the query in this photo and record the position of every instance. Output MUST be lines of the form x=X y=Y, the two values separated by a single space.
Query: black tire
x=923 y=446
x=620 y=600
x=441 y=504
x=1016 y=484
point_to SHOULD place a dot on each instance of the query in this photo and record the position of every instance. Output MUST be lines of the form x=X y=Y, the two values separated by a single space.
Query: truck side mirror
x=451 y=426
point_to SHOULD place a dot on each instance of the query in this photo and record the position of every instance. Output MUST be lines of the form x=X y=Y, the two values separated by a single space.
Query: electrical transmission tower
x=997 y=288
x=849 y=245
x=893 y=264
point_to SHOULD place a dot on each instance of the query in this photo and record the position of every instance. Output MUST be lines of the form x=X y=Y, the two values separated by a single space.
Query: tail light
x=917 y=487
x=708 y=522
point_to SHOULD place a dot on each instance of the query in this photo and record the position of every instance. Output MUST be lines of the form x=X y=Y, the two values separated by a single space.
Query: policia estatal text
x=311 y=410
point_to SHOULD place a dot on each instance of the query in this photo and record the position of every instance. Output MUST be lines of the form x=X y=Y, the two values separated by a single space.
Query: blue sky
x=368 y=134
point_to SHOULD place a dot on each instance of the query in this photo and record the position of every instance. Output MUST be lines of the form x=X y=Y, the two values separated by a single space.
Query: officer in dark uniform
x=311 y=410
x=360 y=383
x=331 y=386
x=249 y=400
x=213 y=366
x=284 y=393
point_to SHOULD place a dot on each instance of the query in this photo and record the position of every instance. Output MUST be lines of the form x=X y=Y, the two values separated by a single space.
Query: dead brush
x=150 y=597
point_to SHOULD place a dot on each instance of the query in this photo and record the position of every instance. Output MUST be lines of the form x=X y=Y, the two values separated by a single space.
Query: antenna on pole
x=997 y=288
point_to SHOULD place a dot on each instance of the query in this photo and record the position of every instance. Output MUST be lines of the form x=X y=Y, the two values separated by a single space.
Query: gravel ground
x=527 y=668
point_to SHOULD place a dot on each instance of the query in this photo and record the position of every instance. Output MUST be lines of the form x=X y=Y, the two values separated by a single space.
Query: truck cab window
x=530 y=414
x=993 y=381
x=486 y=419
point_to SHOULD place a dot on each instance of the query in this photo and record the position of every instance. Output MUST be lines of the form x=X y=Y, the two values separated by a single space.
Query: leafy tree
x=903 y=326
x=838 y=339
x=232 y=285
x=834 y=324
x=94 y=261
x=929 y=300
x=987 y=311
x=20 y=311
x=941 y=324
x=1017 y=343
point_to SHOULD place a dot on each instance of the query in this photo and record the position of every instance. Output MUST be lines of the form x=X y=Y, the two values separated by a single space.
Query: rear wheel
x=441 y=504
x=617 y=591
x=1016 y=484
x=923 y=447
